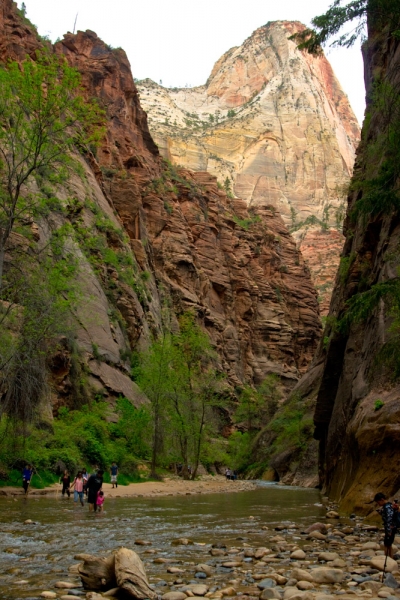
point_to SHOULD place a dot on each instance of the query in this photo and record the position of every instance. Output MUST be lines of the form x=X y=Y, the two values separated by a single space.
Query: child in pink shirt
x=100 y=501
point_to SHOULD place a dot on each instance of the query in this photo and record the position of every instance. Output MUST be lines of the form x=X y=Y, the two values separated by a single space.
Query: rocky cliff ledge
x=173 y=236
x=273 y=124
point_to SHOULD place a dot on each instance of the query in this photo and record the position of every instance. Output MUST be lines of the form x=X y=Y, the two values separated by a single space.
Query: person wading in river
x=78 y=488
x=26 y=478
x=388 y=512
x=94 y=485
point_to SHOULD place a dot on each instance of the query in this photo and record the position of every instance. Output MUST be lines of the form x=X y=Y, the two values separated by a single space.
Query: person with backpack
x=390 y=516
x=26 y=478
x=95 y=483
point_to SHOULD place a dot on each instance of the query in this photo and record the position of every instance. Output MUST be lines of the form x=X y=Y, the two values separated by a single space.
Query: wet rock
x=174 y=596
x=302 y=575
x=332 y=514
x=207 y=569
x=270 y=594
x=66 y=585
x=298 y=555
x=47 y=594
x=228 y=591
x=327 y=556
x=199 y=590
x=266 y=583
x=175 y=570
x=131 y=576
x=111 y=593
x=142 y=543
x=200 y=575
x=304 y=585
x=232 y=564
x=378 y=562
x=317 y=535
x=391 y=582
x=321 y=527
x=217 y=552
x=338 y=563
x=327 y=575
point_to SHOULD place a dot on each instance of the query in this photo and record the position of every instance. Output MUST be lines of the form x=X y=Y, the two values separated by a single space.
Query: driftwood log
x=123 y=570
x=98 y=573
x=131 y=576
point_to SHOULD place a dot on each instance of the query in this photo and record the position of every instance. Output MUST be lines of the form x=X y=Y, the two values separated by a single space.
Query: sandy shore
x=170 y=486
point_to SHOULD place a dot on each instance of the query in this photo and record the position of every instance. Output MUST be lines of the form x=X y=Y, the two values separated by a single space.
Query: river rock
x=295 y=594
x=83 y=556
x=228 y=591
x=270 y=594
x=175 y=570
x=280 y=579
x=266 y=583
x=317 y=535
x=200 y=575
x=66 y=585
x=304 y=585
x=298 y=554
x=260 y=552
x=370 y=546
x=326 y=556
x=332 y=514
x=98 y=573
x=174 y=596
x=111 y=593
x=338 y=563
x=327 y=575
x=199 y=590
x=302 y=575
x=217 y=552
x=207 y=569
x=321 y=527
x=46 y=594
x=94 y=596
x=181 y=542
x=232 y=564
x=374 y=586
x=142 y=543
x=378 y=562
x=391 y=582
x=131 y=576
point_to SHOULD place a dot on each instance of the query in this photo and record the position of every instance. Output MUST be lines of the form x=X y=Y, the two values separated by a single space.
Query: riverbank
x=169 y=486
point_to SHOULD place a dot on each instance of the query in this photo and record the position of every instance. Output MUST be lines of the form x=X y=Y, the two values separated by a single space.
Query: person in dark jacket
x=94 y=485
x=388 y=512
x=66 y=483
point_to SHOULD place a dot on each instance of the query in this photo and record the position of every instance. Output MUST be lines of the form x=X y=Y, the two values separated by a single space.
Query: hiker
x=26 y=478
x=94 y=485
x=100 y=501
x=85 y=478
x=389 y=514
x=66 y=482
x=78 y=487
x=114 y=474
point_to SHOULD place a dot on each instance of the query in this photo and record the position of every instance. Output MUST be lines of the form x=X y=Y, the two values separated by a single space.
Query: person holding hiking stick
x=26 y=478
x=389 y=514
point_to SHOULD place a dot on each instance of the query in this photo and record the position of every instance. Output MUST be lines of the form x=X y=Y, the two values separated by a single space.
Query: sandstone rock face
x=274 y=123
x=174 y=235
x=357 y=414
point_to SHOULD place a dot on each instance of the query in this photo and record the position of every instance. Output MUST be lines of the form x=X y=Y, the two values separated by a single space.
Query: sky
x=178 y=41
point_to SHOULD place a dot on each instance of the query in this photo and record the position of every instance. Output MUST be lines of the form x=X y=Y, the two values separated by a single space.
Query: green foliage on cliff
x=378 y=13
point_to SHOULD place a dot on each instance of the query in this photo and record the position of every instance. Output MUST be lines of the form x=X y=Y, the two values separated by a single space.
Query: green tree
x=43 y=116
x=376 y=13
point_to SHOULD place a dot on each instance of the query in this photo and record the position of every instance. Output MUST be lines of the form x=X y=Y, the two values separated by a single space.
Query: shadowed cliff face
x=357 y=414
x=188 y=245
x=275 y=123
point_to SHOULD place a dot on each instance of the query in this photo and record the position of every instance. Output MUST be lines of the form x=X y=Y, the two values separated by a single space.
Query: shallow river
x=34 y=557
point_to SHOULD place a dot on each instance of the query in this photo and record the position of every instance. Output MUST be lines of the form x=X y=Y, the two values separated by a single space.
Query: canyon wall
x=166 y=236
x=355 y=372
x=274 y=126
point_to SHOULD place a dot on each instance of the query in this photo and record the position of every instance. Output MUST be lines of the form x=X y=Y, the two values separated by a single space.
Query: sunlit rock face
x=190 y=247
x=274 y=124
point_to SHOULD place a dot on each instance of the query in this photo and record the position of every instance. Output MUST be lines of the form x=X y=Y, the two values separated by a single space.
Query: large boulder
x=98 y=573
x=131 y=576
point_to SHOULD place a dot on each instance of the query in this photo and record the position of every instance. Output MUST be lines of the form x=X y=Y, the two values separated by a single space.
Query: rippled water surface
x=34 y=557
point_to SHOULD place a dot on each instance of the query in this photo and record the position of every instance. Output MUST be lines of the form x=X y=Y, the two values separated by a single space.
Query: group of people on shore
x=82 y=485
x=230 y=475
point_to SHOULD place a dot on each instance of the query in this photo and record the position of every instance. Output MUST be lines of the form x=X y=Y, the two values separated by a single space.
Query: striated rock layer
x=172 y=238
x=357 y=414
x=273 y=124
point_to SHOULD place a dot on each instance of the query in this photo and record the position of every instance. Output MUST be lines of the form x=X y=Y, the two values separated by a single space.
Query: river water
x=34 y=557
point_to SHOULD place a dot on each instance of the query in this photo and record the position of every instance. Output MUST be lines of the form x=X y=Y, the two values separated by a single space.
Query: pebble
x=174 y=596
x=298 y=554
x=266 y=583
x=47 y=594
x=142 y=543
x=66 y=585
x=200 y=575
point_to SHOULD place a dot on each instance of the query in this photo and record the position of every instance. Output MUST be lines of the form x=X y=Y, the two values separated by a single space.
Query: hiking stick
x=384 y=566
